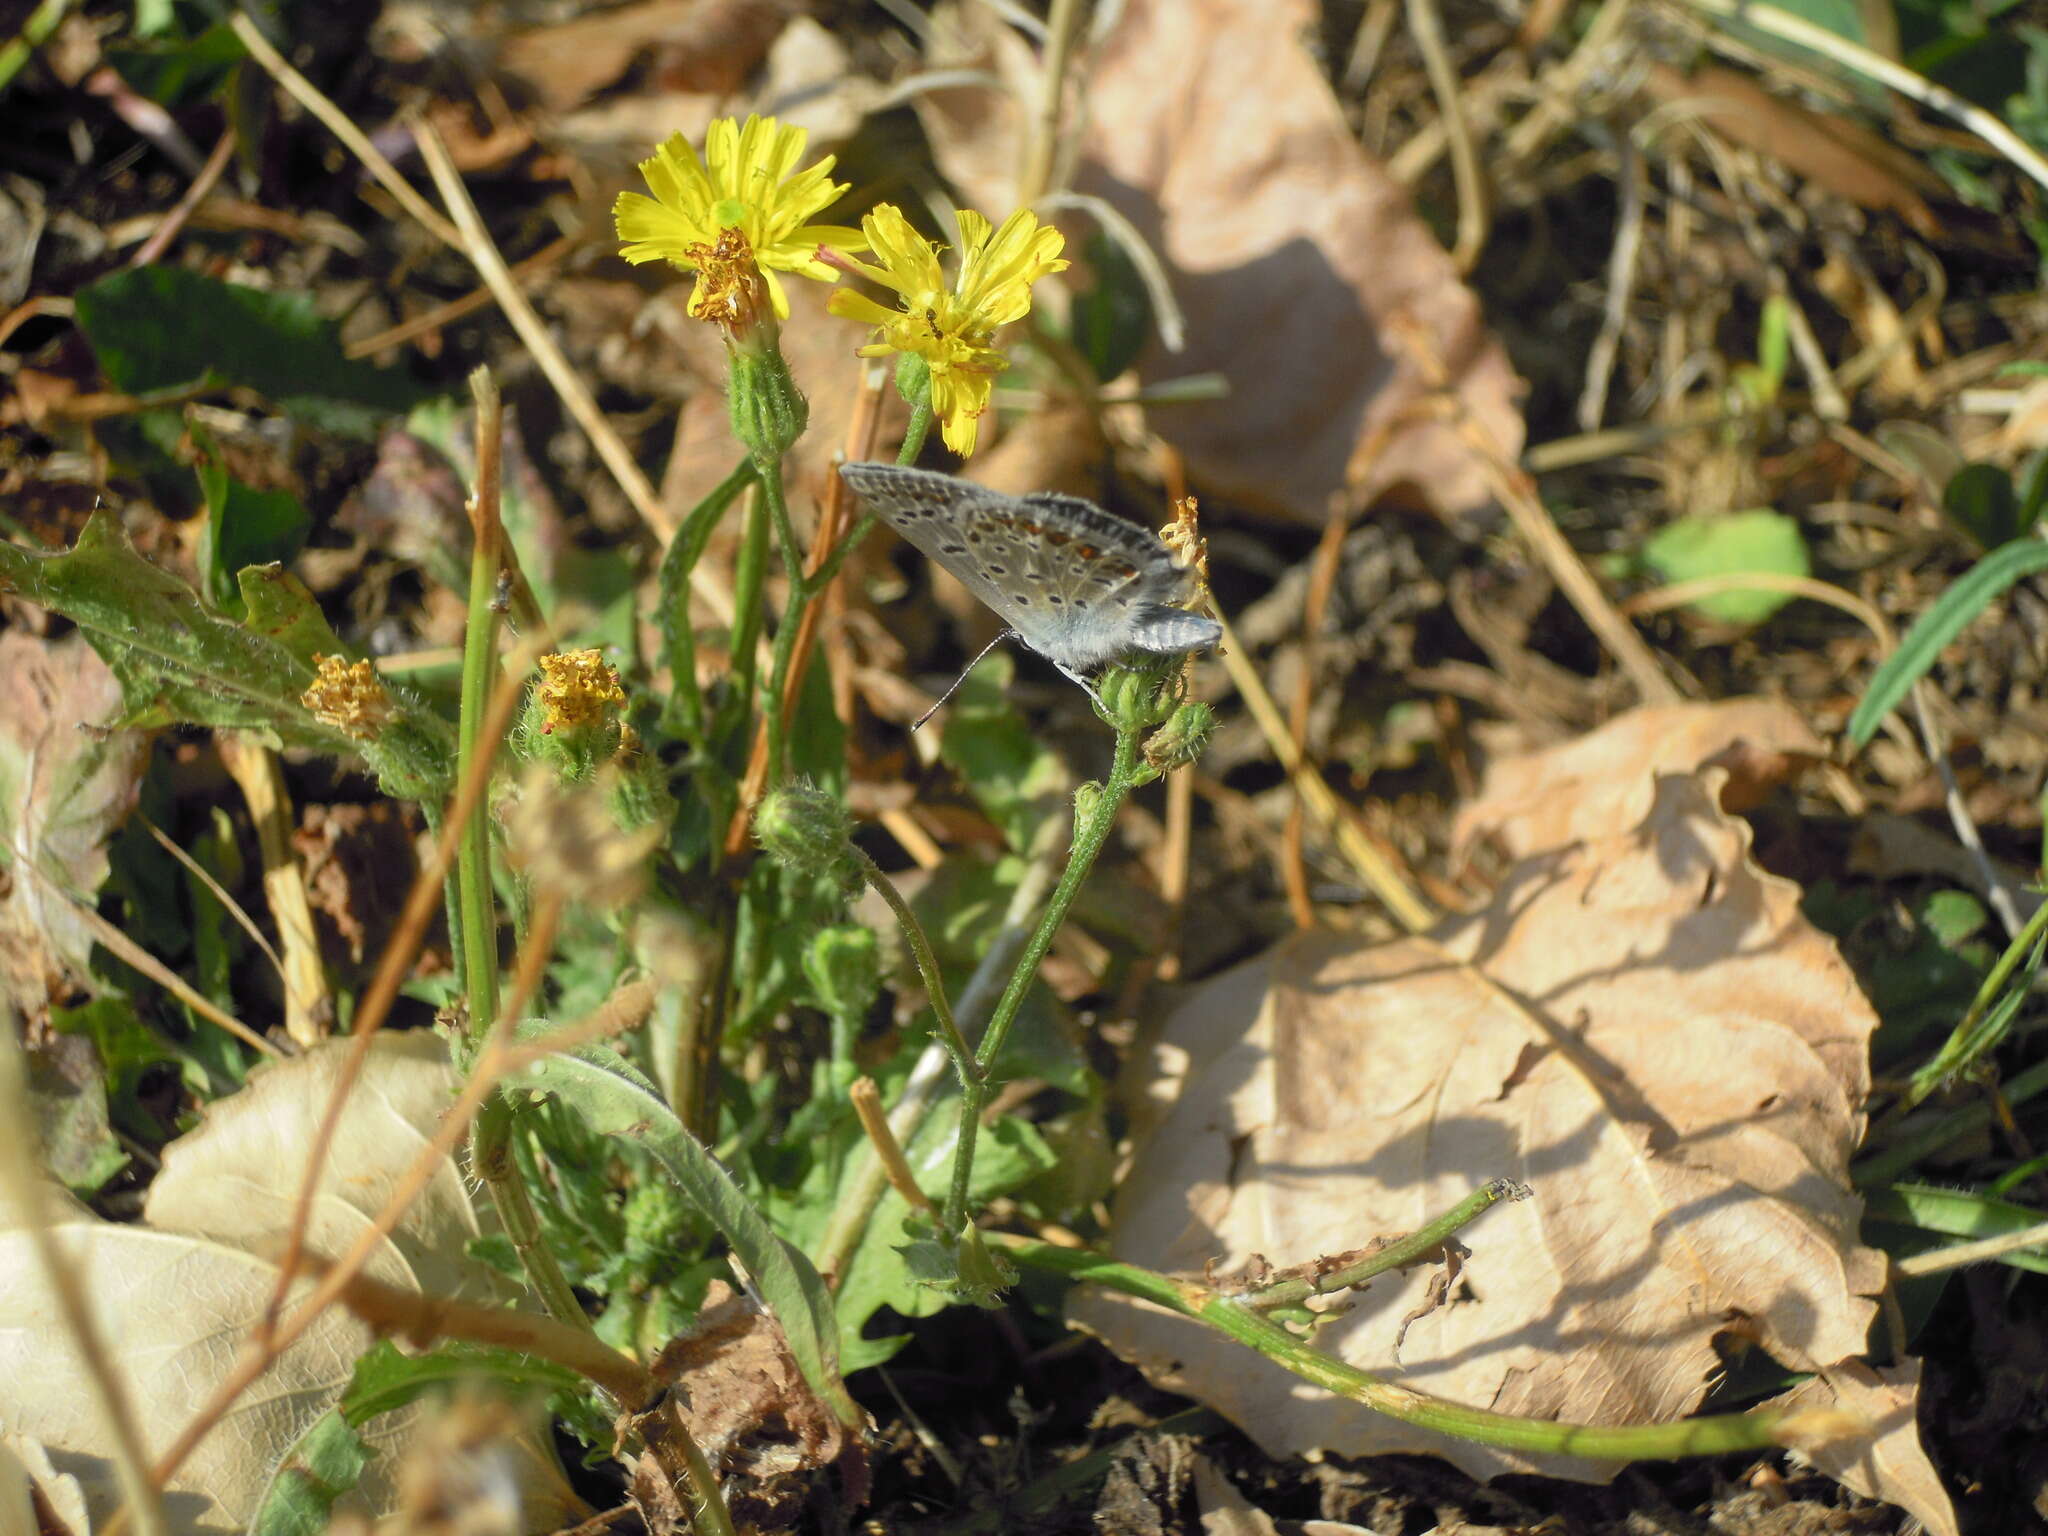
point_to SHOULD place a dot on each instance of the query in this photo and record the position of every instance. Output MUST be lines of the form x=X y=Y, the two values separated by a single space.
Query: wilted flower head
x=348 y=696
x=747 y=182
x=952 y=329
x=578 y=689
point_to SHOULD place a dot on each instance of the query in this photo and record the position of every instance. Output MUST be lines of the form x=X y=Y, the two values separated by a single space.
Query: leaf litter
x=1690 y=1168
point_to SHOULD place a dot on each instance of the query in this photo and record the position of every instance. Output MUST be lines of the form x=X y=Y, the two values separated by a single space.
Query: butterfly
x=1080 y=586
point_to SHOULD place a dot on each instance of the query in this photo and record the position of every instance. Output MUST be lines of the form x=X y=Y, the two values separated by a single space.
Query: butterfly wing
x=1081 y=586
x=974 y=532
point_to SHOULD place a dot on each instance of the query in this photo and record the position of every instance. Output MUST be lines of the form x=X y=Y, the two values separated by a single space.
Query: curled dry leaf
x=173 y=1310
x=65 y=783
x=1642 y=1027
x=236 y=1178
x=1602 y=783
x=177 y=1297
x=746 y=1404
x=1297 y=259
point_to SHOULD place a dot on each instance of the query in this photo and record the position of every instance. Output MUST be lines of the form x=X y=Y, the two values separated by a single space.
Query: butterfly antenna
x=999 y=639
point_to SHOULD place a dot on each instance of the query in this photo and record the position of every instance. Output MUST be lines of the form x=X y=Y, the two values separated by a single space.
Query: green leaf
x=1111 y=320
x=179 y=663
x=682 y=713
x=323 y=1466
x=244 y=526
x=178 y=71
x=2034 y=489
x=1735 y=543
x=1980 y=500
x=159 y=327
x=1950 y=615
x=1958 y=1213
x=885 y=1270
x=385 y=1380
x=616 y=1100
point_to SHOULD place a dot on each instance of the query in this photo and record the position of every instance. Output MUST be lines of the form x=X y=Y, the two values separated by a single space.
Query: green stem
x=1423 y=1243
x=749 y=572
x=707 y=1513
x=477 y=942
x=927 y=966
x=491 y=1160
x=1601 y=1442
x=1967 y=1041
x=1089 y=836
x=801 y=591
x=1908 y=1147
x=683 y=712
x=478 y=945
x=920 y=427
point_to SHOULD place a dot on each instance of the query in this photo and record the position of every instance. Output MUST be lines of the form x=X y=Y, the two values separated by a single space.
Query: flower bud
x=769 y=412
x=844 y=965
x=1140 y=692
x=913 y=379
x=807 y=831
x=571 y=721
x=1181 y=740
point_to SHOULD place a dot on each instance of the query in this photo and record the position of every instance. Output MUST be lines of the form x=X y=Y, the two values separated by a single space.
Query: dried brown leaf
x=747 y=1406
x=1642 y=1027
x=1295 y=256
x=698 y=47
x=1885 y=1460
x=1843 y=156
x=236 y=1178
x=64 y=785
x=1602 y=783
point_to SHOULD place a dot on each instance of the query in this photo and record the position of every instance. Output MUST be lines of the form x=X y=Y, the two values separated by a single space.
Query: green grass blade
x=1940 y=624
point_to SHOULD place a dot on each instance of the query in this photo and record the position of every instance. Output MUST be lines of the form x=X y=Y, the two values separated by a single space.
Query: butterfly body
x=1078 y=585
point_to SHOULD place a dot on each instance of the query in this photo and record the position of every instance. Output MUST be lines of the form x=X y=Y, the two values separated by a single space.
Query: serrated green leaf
x=616 y=1100
x=884 y=1270
x=1940 y=624
x=180 y=663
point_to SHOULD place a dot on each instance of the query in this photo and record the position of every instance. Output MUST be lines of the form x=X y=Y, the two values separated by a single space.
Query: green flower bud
x=1086 y=798
x=1139 y=693
x=769 y=412
x=808 y=832
x=844 y=965
x=1181 y=740
x=913 y=379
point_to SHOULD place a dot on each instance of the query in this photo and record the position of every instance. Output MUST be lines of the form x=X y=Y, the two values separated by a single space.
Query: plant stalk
x=1090 y=834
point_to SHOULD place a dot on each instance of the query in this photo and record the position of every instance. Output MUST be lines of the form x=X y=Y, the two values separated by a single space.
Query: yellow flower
x=952 y=329
x=747 y=181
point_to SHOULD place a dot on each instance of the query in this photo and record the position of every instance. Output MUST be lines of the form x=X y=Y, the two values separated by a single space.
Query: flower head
x=578 y=689
x=747 y=181
x=348 y=696
x=952 y=329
